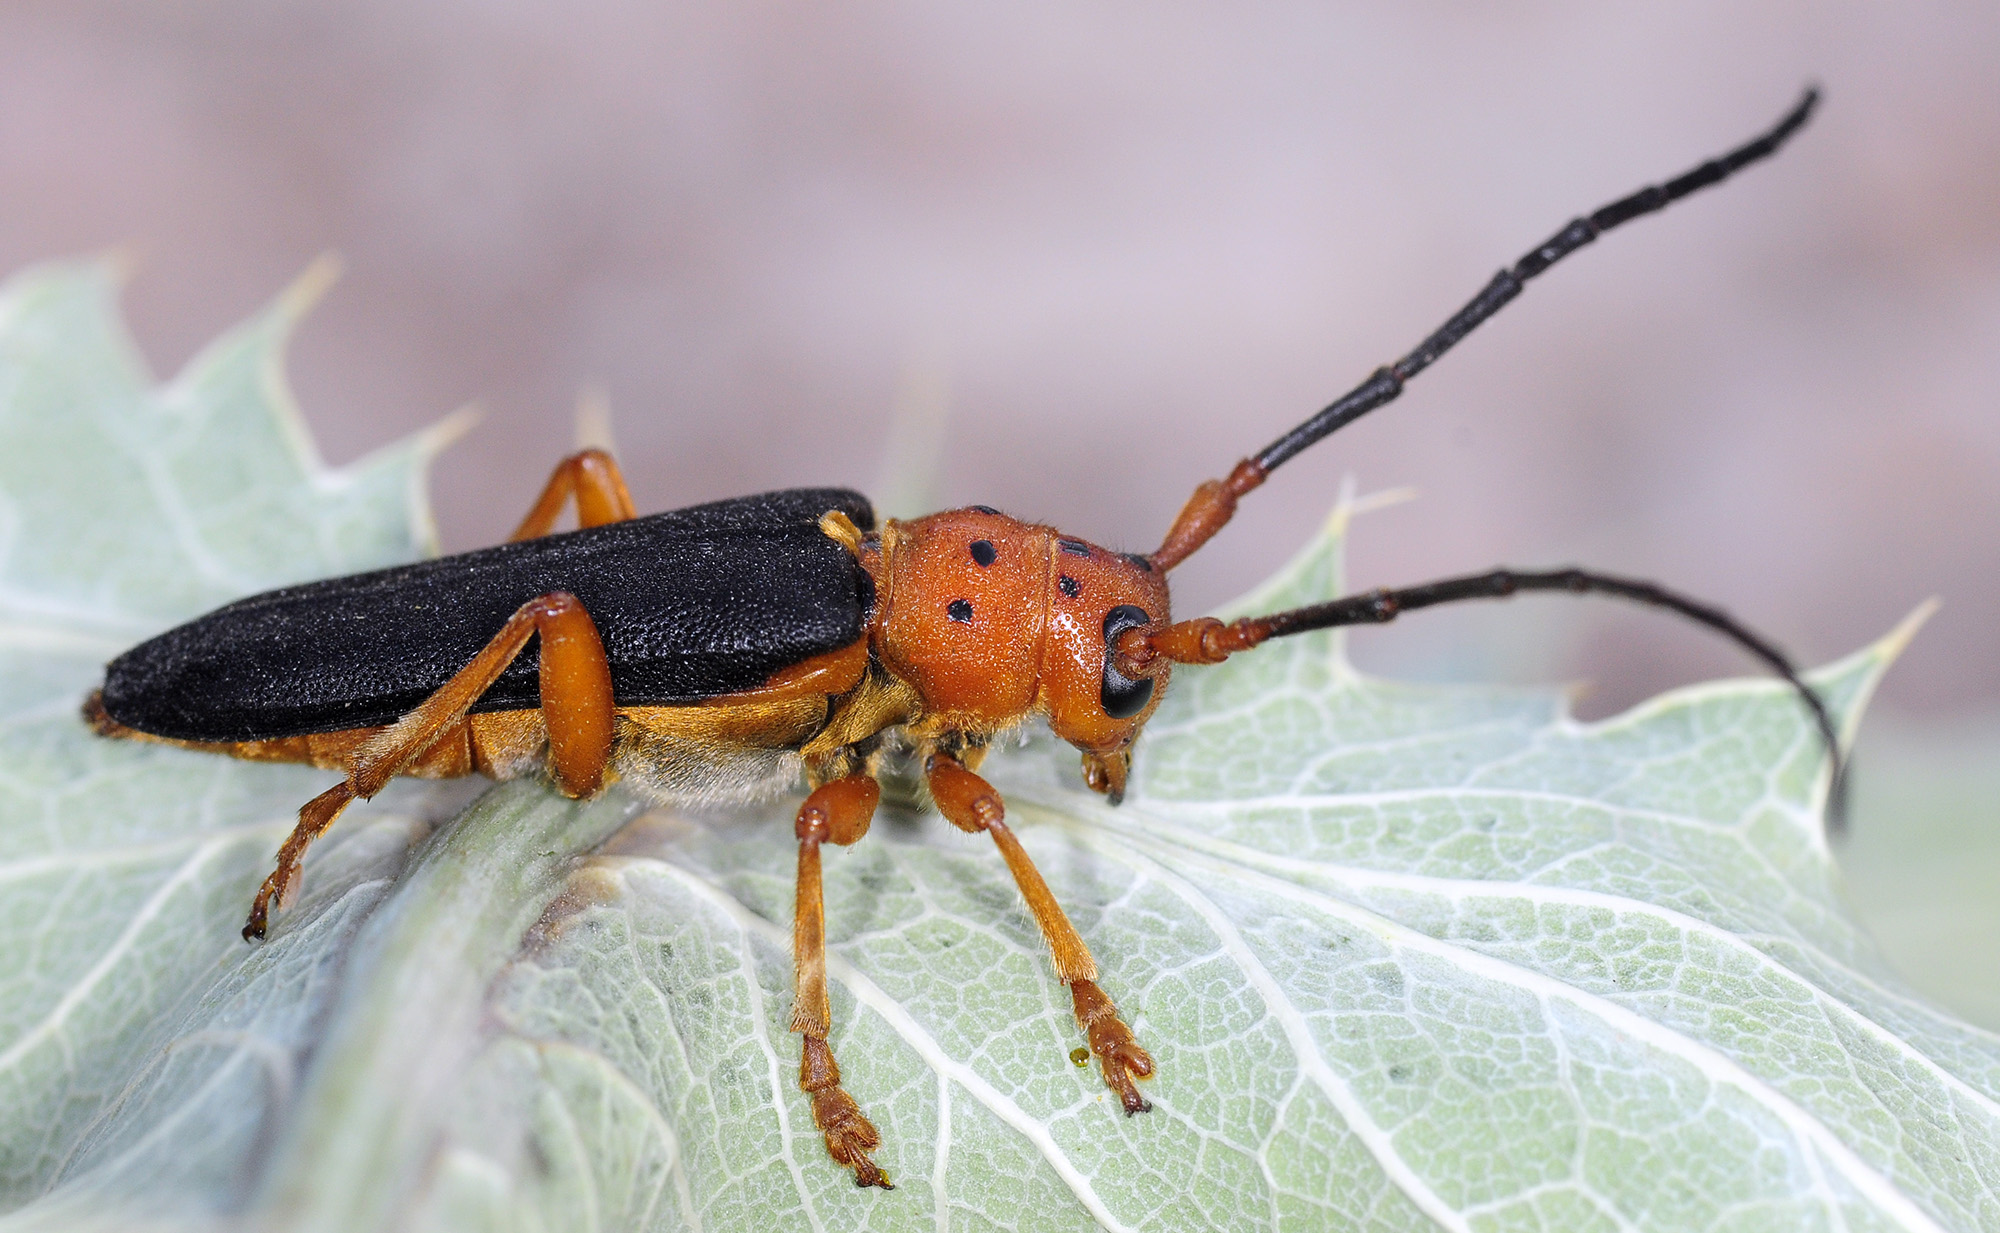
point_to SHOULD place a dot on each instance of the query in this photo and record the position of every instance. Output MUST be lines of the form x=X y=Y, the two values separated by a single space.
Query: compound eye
x=1122 y=696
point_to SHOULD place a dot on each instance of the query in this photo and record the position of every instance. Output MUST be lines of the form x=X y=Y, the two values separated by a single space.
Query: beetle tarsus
x=283 y=884
x=850 y=1136
x=1118 y=1054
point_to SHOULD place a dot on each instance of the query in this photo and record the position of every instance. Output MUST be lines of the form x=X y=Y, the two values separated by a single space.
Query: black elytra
x=691 y=604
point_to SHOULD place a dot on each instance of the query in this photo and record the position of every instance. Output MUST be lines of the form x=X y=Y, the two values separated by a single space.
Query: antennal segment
x=1215 y=501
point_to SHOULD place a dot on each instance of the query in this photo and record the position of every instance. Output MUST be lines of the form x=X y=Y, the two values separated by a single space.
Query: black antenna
x=1207 y=640
x=1387 y=383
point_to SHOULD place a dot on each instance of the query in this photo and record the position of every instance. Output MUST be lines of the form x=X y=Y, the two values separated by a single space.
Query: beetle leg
x=971 y=804
x=837 y=812
x=593 y=478
x=577 y=709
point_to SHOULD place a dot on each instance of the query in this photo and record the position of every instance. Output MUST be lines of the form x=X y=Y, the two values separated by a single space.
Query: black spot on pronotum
x=982 y=509
x=984 y=552
x=1069 y=586
x=1122 y=696
x=1074 y=547
x=959 y=610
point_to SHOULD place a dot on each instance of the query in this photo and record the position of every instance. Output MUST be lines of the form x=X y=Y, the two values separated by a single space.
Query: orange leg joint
x=592 y=477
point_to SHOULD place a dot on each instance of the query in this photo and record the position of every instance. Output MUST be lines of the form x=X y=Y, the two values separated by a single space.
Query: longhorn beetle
x=715 y=653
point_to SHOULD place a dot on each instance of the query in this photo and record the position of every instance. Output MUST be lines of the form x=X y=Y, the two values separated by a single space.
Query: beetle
x=723 y=651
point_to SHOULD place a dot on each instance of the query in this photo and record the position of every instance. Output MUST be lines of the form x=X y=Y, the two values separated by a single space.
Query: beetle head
x=1093 y=596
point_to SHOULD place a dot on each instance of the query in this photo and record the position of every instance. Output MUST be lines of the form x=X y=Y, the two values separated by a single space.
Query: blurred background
x=1071 y=259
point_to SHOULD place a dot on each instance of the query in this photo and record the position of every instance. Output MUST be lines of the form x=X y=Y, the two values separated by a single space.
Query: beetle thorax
x=991 y=620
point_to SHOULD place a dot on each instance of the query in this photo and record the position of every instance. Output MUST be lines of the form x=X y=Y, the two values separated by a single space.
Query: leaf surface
x=1408 y=958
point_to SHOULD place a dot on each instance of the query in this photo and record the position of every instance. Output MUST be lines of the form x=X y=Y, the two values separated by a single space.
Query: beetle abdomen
x=691 y=604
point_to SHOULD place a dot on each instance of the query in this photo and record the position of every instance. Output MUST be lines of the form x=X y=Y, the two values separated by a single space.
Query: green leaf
x=1407 y=957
